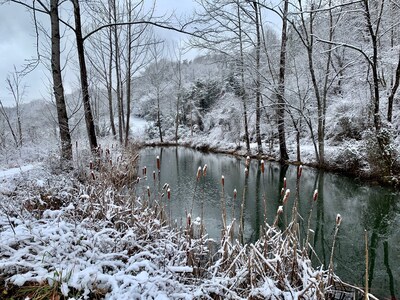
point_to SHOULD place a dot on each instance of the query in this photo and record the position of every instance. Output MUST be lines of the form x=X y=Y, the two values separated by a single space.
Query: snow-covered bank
x=344 y=159
x=81 y=240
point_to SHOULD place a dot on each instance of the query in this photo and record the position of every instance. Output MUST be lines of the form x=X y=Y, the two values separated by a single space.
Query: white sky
x=17 y=44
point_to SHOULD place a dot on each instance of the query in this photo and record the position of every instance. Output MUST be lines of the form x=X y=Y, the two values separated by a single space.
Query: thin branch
x=181 y=30
x=347 y=46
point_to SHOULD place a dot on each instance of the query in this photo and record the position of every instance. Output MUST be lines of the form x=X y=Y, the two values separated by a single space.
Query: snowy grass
x=95 y=234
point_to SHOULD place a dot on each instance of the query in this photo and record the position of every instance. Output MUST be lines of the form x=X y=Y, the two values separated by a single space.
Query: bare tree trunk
x=159 y=115
x=84 y=79
x=243 y=84
x=178 y=98
x=281 y=88
x=374 y=67
x=118 y=75
x=66 y=146
x=393 y=91
x=128 y=73
x=109 y=83
x=258 y=79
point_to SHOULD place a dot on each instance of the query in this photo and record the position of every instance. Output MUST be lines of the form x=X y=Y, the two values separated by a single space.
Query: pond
x=362 y=207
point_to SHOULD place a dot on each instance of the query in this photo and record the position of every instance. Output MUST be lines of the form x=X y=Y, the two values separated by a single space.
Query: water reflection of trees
x=379 y=217
x=361 y=207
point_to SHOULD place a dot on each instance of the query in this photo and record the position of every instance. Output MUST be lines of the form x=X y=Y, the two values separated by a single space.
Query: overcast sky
x=17 y=44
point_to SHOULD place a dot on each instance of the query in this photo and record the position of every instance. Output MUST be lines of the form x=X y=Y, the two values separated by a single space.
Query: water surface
x=362 y=207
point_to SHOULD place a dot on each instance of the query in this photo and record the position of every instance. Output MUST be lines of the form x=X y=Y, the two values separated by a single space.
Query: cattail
x=246 y=171
x=93 y=176
x=284 y=183
x=144 y=171
x=107 y=151
x=189 y=220
x=138 y=179
x=165 y=186
x=338 y=220
x=169 y=193
x=299 y=171
x=198 y=173
x=234 y=194
x=315 y=195
x=91 y=165
x=282 y=192
x=285 y=198
x=148 y=191
x=247 y=161
x=280 y=210
x=262 y=166
x=205 y=170
x=158 y=162
x=223 y=180
x=110 y=161
x=154 y=175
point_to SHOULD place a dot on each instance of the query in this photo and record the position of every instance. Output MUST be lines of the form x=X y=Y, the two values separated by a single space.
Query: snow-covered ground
x=15 y=171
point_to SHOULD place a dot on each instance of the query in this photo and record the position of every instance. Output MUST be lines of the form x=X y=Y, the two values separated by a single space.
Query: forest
x=322 y=89
x=300 y=82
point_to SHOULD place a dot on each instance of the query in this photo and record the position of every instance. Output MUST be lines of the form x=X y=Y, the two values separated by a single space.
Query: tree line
x=320 y=52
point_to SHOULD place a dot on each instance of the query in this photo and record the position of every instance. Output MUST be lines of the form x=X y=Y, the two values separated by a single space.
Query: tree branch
x=180 y=30
x=347 y=46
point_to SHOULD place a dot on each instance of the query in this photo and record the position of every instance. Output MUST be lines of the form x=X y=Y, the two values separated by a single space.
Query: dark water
x=362 y=207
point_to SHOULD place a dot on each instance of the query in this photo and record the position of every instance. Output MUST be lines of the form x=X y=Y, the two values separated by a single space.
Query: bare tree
x=281 y=86
x=157 y=74
x=84 y=77
x=17 y=90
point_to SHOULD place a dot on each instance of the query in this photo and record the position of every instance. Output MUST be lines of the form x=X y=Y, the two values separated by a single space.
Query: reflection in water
x=362 y=207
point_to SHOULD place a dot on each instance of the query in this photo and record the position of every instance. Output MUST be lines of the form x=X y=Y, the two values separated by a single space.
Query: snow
x=15 y=171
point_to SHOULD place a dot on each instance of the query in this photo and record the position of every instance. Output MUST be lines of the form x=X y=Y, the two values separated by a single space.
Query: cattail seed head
x=148 y=191
x=205 y=170
x=282 y=192
x=138 y=179
x=189 y=220
x=338 y=219
x=158 y=162
x=91 y=165
x=165 y=186
x=234 y=194
x=315 y=195
x=169 y=193
x=198 y=173
x=93 y=176
x=246 y=171
x=280 y=210
x=299 y=171
x=284 y=183
x=262 y=166
x=144 y=170
x=223 y=180
x=110 y=162
x=286 y=197
x=247 y=161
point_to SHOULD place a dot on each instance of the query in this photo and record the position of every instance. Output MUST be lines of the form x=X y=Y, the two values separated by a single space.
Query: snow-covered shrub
x=349 y=122
x=350 y=157
x=381 y=152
